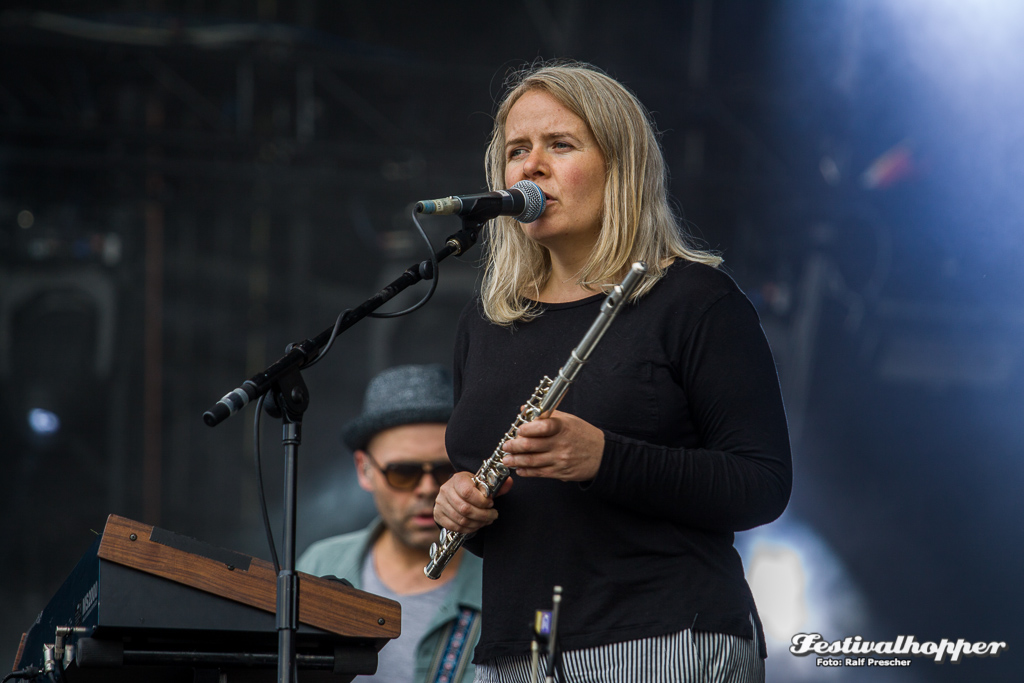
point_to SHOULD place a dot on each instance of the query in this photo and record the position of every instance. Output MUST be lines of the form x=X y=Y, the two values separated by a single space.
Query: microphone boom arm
x=304 y=352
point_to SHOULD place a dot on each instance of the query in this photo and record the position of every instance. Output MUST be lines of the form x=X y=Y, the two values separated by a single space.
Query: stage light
x=43 y=422
x=56 y=355
x=779 y=581
x=798 y=582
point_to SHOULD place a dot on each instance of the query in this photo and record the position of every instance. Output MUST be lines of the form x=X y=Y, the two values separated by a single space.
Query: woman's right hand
x=461 y=506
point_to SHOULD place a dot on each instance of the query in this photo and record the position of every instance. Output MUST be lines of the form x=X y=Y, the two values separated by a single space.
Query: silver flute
x=545 y=399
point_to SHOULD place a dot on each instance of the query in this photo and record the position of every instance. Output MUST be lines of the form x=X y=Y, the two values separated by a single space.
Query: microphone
x=524 y=201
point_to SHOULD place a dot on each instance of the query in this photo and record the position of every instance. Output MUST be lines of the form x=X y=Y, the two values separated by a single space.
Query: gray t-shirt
x=397 y=660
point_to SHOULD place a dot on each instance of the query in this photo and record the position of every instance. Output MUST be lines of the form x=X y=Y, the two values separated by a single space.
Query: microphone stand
x=545 y=642
x=283 y=380
x=553 y=649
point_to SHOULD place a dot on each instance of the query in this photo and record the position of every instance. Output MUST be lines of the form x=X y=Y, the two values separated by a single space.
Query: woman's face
x=548 y=144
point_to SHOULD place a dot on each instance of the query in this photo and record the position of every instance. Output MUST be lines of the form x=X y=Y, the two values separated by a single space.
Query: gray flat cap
x=406 y=394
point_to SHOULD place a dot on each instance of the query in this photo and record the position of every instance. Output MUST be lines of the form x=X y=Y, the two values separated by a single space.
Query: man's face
x=409 y=515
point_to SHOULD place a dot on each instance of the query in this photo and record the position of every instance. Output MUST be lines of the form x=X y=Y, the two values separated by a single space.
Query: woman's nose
x=534 y=164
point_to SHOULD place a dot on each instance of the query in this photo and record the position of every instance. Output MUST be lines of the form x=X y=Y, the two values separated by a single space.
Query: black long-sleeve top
x=684 y=386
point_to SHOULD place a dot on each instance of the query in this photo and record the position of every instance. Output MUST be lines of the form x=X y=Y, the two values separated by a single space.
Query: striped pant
x=683 y=657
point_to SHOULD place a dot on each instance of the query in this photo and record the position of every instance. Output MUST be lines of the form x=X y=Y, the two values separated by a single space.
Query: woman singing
x=672 y=438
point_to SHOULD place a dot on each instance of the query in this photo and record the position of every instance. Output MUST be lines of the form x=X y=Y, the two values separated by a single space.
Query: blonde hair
x=637 y=222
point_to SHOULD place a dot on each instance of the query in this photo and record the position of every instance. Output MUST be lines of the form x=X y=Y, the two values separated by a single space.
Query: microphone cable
x=23 y=674
x=434 y=275
x=259 y=483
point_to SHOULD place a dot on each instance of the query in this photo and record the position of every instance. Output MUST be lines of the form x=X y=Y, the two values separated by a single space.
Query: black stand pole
x=290 y=400
x=553 y=649
x=288 y=580
x=290 y=396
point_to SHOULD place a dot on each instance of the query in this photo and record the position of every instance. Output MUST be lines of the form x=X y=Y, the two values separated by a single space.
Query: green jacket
x=343 y=557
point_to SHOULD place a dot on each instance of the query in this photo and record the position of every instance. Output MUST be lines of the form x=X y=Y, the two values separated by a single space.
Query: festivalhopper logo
x=805 y=644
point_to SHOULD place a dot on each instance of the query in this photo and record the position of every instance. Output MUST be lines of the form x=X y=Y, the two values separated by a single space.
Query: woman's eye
x=562 y=145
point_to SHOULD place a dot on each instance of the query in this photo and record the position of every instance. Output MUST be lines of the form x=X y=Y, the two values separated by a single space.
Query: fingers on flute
x=462 y=507
x=541 y=427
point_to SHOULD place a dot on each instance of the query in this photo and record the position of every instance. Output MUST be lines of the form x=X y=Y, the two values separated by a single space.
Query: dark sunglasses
x=405 y=476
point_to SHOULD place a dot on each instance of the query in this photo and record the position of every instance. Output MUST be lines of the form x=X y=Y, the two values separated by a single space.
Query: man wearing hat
x=398 y=444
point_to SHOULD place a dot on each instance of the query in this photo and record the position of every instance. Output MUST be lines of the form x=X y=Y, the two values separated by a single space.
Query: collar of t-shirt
x=397 y=661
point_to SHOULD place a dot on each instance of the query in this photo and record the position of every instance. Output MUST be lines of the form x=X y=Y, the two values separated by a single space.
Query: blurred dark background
x=187 y=186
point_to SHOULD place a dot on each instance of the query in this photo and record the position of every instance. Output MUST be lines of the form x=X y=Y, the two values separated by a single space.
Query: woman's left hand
x=562 y=446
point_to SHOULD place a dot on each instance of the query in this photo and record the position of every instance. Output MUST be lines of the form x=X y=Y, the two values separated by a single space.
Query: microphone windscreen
x=534 y=201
